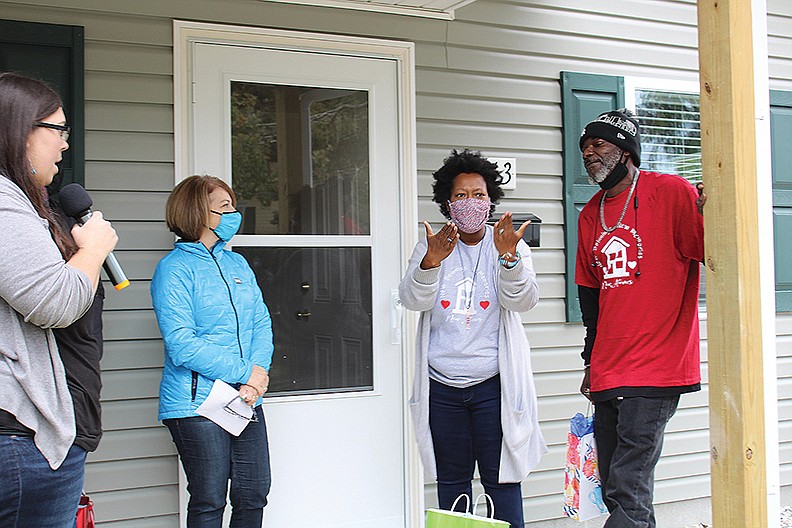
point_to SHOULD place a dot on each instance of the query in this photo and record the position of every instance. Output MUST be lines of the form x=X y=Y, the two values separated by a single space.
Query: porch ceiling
x=441 y=9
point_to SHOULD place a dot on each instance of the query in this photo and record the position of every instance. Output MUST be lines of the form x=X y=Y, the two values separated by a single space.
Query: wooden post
x=734 y=325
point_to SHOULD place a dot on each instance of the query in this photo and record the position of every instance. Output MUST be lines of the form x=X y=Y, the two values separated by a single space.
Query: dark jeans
x=629 y=434
x=210 y=457
x=466 y=429
x=32 y=493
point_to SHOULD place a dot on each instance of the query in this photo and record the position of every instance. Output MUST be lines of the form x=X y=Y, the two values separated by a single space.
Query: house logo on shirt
x=464 y=296
x=617 y=257
x=616 y=262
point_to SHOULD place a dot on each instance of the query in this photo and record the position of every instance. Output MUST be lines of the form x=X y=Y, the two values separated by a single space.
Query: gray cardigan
x=523 y=444
x=38 y=291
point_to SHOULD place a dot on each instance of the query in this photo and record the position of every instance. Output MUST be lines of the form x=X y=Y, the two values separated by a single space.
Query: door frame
x=187 y=33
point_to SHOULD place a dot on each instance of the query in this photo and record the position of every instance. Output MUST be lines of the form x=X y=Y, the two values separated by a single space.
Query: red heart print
x=445 y=304
x=484 y=304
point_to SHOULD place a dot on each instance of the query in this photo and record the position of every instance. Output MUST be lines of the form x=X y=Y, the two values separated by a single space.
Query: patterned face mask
x=469 y=214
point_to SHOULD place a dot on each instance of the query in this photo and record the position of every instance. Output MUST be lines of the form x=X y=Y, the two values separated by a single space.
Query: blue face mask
x=228 y=226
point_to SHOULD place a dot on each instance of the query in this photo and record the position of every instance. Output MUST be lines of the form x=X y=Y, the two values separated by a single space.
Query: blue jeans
x=629 y=434
x=32 y=493
x=466 y=429
x=210 y=457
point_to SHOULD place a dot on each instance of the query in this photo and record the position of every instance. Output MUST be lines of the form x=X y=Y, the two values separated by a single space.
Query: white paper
x=222 y=399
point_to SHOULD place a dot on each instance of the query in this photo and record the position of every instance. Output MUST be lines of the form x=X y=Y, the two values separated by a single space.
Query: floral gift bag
x=582 y=490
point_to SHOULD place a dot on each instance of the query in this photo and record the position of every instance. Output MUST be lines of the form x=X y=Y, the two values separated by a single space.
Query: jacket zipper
x=231 y=299
x=236 y=317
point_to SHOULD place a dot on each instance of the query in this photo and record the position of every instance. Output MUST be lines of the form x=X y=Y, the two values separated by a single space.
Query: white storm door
x=310 y=143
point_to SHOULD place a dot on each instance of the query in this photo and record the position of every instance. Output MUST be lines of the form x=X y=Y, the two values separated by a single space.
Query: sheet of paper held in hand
x=225 y=408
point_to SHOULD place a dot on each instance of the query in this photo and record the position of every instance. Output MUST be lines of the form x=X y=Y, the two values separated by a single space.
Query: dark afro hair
x=469 y=162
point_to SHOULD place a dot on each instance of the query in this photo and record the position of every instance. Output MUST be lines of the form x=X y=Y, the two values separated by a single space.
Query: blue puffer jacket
x=213 y=320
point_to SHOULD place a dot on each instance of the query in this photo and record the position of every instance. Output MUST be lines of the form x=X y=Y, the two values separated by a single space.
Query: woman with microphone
x=47 y=281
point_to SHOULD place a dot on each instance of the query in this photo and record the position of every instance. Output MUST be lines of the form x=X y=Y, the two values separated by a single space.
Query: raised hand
x=505 y=236
x=439 y=245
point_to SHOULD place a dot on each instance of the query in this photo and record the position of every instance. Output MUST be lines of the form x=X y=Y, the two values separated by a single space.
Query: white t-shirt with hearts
x=463 y=338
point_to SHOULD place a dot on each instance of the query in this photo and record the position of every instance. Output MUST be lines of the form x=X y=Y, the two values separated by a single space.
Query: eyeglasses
x=227 y=408
x=64 y=130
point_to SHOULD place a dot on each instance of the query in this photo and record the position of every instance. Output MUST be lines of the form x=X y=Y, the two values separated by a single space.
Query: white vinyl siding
x=488 y=80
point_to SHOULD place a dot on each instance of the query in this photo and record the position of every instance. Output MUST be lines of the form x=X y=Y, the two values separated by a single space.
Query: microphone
x=76 y=202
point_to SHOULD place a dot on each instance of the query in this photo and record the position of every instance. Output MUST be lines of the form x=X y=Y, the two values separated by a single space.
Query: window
x=670 y=131
x=54 y=54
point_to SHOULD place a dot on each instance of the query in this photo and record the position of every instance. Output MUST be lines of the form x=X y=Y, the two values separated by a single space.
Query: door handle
x=303 y=315
x=396 y=318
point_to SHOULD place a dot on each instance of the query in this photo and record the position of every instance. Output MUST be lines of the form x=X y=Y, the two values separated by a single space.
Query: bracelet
x=506 y=261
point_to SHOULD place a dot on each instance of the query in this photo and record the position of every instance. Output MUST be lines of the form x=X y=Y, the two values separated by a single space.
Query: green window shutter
x=583 y=97
x=55 y=54
x=781 y=131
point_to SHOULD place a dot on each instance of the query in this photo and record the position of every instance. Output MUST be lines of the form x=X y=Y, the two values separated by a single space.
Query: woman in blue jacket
x=215 y=326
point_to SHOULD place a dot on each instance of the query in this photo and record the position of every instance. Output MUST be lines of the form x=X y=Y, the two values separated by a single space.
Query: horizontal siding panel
x=147 y=236
x=125 y=206
x=553 y=336
x=130 y=325
x=128 y=146
x=138 y=264
x=129 y=117
x=159 y=521
x=470 y=85
x=127 y=87
x=142 y=473
x=129 y=176
x=117 y=415
x=430 y=55
x=552 y=286
x=487 y=112
x=682 y=488
x=563 y=24
x=141 y=353
x=134 y=444
x=136 y=296
x=784 y=325
x=136 y=503
x=549 y=67
x=484 y=137
x=130 y=384
x=678 y=12
x=126 y=57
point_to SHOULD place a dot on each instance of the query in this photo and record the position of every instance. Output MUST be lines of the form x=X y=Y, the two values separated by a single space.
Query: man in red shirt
x=640 y=242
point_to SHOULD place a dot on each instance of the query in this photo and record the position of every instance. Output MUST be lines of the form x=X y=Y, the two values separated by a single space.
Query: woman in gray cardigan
x=474 y=401
x=41 y=470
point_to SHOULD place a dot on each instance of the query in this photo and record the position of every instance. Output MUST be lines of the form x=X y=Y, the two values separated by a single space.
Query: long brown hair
x=23 y=101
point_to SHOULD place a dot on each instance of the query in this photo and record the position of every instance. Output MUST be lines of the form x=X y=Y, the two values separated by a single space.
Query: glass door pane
x=300 y=159
x=300 y=167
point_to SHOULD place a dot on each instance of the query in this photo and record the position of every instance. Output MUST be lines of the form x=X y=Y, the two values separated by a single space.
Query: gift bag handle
x=487 y=500
x=467 y=502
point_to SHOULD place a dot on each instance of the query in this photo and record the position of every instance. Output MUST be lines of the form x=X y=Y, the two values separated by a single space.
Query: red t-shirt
x=647 y=271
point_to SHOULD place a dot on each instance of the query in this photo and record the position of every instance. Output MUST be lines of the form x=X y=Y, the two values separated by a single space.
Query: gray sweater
x=38 y=291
